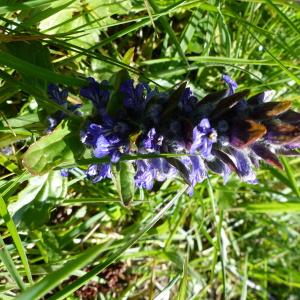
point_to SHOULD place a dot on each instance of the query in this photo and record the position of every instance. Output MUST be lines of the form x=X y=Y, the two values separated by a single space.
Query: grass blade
x=9 y=264
x=165 y=24
x=291 y=176
x=15 y=236
x=28 y=68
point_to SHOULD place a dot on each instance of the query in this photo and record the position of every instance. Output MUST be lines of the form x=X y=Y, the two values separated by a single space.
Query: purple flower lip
x=231 y=83
x=98 y=93
x=203 y=138
x=59 y=96
x=97 y=172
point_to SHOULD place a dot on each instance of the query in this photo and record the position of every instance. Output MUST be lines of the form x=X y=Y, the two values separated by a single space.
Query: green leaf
x=23 y=6
x=61 y=147
x=123 y=177
x=15 y=236
x=10 y=266
x=7 y=163
x=128 y=56
x=55 y=278
x=190 y=29
x=284 y=17
x=182 y=295
x=32 y=70
x=291 y=176
x=274 y=207
x=36 y=53
x=22 y=121
x=32 y=209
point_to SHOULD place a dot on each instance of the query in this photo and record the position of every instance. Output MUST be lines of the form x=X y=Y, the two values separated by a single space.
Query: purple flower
x=188 y=101
x=217 y=166
x=113 y=129
x=231 y=83
x=114 y=148
x=243 y=164
x=98 y=93
x=204 y=136
x=144 y=177
x=153 y=141
x=59 y=96
x=136 y=98
x=152 y=169
x=97 y=172
x=197 y=170
x=223 y=133
x=91 y=134
x=162 y=169
x=64 y=172
x=107 y=139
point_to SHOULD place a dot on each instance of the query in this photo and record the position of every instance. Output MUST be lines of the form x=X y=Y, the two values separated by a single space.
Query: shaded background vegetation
x=68 y=238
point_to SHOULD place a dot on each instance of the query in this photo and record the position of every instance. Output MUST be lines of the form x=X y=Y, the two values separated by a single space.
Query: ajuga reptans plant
x=225 y=132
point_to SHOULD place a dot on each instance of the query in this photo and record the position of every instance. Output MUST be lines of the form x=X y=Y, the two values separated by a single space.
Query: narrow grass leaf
x=36 y=71
x=245 y=279
x=182 y=293
x=15 y=236
x=10 y=266
x=274 y=207
x=291 y=176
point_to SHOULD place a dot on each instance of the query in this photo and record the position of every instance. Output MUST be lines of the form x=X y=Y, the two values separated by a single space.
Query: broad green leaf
x=61 y=147
x=88 y=18
x=7 y=139
x=123 y=177
x=21 y=121
x=32 y=208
